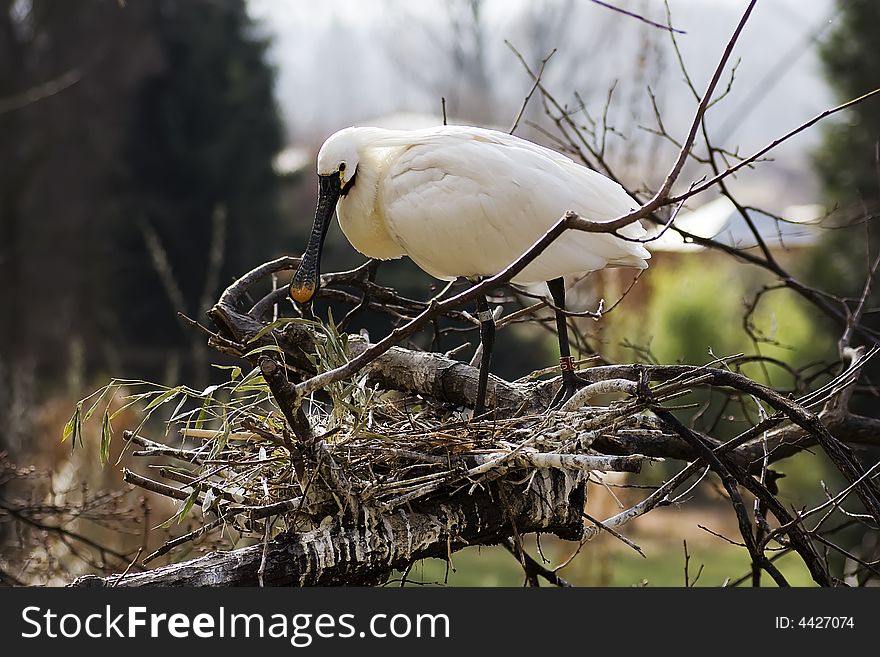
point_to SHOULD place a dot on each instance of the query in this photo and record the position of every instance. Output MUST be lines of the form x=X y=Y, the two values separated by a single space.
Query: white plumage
x=464 y=201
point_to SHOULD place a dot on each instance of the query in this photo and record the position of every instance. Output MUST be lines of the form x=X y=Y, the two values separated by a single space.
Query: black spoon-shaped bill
x=307 y=278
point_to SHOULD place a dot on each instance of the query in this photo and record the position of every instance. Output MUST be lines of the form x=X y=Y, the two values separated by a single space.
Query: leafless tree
x=347 y=458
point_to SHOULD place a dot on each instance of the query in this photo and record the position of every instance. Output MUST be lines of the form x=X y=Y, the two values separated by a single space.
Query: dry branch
x=366 y=549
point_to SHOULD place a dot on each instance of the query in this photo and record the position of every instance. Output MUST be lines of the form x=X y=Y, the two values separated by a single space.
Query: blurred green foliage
x=693 y=311
x=675 y=327
x=617 y=565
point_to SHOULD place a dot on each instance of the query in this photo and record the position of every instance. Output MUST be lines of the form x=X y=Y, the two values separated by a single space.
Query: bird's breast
x=363 y=223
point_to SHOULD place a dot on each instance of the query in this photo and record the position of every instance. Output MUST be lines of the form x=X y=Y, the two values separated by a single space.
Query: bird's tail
x=637 y=261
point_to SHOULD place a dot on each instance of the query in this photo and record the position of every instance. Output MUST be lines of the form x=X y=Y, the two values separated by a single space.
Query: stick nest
x=228 y=451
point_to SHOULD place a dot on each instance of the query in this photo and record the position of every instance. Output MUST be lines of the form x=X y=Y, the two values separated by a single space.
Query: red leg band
x=566 y=364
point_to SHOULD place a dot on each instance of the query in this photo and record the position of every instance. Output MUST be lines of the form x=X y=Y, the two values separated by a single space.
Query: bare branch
x=632 y=14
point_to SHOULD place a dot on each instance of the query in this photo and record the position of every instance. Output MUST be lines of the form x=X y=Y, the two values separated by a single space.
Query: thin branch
x=531 y=92
x=632 y=14
x=773 y=144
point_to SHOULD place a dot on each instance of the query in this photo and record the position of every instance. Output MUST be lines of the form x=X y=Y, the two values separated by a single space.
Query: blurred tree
x=848 y=161
x=124 y=126
x=199 y=193
x=67 y=72
x=459 y=69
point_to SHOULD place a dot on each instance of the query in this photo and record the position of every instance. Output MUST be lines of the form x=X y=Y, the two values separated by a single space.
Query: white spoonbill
x=465 y=201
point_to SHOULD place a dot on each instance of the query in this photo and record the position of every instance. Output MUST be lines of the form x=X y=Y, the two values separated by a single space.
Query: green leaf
x=71 y=423
x=203 y=414
x=106 y=435
x=265 y=348
x=91 y=410
x=164 y=397
x=143 y=395
x=246 y=379
x=284 y=321
x=222 y=439
x=257 y=383
x=78 y=428
x=187 y=505
x=123 y=408
x=74 y=427
x=174 y=416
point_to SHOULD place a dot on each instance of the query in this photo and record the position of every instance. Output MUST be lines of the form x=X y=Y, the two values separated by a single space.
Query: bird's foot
x=566 y=391
x=571 y=383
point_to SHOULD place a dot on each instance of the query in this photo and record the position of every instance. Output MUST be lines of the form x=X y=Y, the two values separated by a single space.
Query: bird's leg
x=487 y=339
x=570 y=380
x=308 y=310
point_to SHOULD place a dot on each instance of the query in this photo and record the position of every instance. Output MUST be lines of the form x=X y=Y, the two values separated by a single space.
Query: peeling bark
x=366 y=549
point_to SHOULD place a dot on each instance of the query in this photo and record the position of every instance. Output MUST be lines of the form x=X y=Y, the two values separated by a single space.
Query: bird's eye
x=342 y=166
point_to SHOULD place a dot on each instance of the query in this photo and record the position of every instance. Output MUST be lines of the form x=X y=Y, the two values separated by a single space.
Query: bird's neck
x=360 y=212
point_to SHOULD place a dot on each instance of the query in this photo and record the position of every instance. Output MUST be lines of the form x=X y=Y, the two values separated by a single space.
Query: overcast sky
x=342 y=62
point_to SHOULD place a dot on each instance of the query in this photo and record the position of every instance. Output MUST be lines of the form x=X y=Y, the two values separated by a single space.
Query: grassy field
x=608 y=562
x=496 y=567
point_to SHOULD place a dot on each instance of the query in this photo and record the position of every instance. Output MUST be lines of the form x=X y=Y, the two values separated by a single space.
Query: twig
x=533 y=568
x=531 y=92
x=632 y=14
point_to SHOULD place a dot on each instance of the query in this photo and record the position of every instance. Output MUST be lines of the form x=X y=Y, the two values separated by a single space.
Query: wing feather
x=468 y=202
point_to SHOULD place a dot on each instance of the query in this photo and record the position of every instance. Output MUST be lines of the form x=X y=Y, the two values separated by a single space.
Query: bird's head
x=337 y=170
x=338 y=157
